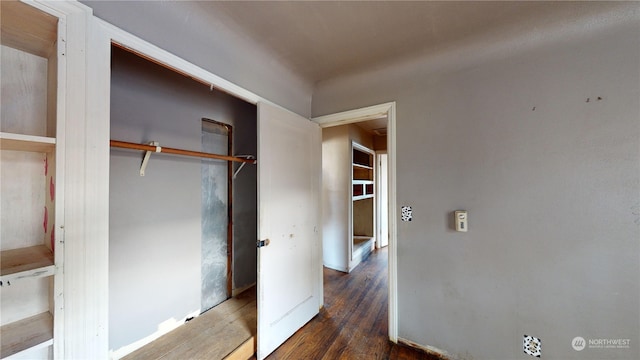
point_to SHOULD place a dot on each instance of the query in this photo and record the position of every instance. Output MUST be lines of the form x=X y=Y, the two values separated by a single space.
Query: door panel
x=289 y=285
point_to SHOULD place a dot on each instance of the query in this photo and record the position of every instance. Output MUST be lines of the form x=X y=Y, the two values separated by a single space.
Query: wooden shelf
x=35 y=331
x=362 y=166
x=362 y=243
x=362 y=174
x=362 y=156
x=362 y=163
x=29 y=262
x=362 y=182
x=362 y=189
x=362 y=197
x=20 y=142
x=28 y=29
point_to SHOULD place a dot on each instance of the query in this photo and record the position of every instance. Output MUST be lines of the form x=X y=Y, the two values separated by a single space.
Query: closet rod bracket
x=147 y=155
x=248 y=157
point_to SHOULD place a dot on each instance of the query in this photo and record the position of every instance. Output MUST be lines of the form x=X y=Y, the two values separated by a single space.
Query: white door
x=289 y=268
x=383 y=200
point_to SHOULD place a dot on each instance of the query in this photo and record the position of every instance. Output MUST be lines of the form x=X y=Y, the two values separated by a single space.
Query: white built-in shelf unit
x=30 y=256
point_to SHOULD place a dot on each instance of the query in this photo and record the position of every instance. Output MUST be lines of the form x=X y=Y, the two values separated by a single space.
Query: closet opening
x=182 y=237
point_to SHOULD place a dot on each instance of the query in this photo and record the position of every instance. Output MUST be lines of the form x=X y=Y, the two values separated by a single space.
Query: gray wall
x=155 y=220
x=549 y=173
x=182 y=28
x=245 y=197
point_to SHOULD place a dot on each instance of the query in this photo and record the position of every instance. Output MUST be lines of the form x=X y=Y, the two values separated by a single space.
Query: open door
x=289 y=264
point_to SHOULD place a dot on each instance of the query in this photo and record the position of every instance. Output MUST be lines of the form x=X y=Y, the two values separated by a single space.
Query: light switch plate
x=461 y=220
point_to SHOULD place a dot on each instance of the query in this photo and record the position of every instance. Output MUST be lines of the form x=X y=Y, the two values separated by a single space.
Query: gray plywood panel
x=214 y=217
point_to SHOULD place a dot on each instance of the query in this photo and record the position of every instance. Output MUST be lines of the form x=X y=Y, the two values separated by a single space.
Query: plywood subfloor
x=213 y=335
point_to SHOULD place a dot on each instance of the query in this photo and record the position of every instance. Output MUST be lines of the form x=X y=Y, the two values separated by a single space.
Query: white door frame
x=379 y=206
x=370 y=113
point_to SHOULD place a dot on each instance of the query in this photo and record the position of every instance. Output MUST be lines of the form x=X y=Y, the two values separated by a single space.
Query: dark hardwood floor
x=353 y=323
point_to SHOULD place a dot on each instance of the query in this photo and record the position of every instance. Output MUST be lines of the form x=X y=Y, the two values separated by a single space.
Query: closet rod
x=134 y=146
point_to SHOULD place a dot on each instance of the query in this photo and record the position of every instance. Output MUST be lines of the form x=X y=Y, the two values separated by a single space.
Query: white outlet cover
x=532 y=346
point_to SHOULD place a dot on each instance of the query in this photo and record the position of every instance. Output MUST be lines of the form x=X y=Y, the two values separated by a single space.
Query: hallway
x=353 y=323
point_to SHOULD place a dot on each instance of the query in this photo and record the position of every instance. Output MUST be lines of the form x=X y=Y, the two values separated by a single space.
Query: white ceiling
x=319 y=40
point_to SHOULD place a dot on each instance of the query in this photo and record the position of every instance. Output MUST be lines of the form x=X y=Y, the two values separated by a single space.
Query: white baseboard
x=335 y=267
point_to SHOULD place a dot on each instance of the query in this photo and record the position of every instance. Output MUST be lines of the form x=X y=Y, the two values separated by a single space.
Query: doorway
x=362 y=116
x=350 y=226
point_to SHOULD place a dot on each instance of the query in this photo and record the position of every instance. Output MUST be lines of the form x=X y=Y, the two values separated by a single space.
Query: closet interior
x=183 y=223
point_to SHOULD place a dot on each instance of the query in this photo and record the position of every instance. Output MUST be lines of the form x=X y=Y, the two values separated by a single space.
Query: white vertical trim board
x=370 y=113
x=393 y=229
x=97 y=168
x=85 y=286
x=379 y=186
x=59 y=221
